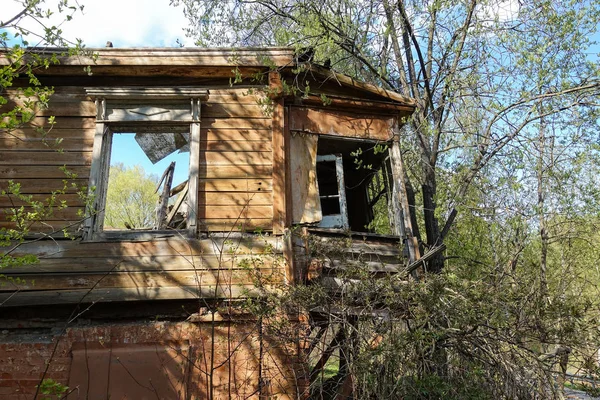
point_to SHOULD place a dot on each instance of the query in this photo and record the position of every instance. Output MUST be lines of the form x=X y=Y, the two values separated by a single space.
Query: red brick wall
x=24 y=356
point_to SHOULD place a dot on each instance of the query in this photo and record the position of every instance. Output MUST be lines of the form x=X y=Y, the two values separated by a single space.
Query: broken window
x=159 y=127
x=147 y=181
x=332 y=191
x=341 y=184
x=354 y=183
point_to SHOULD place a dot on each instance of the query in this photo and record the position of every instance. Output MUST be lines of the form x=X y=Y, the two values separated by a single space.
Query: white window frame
x=340 y=220
x=127 y=109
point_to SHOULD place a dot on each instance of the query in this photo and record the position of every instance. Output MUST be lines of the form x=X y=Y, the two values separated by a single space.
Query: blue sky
x=126 y=150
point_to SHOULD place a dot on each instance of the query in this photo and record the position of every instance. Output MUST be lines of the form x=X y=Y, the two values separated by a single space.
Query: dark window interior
x=367 y=179
x=328 y=187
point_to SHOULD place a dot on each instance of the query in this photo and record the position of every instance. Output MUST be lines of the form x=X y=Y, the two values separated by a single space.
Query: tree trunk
x=432 y=229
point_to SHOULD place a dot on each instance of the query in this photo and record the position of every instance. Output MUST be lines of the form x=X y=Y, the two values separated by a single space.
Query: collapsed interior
x=354 y=179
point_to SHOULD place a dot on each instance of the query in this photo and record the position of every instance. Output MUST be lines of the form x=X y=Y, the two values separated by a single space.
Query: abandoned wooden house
x=272 y=148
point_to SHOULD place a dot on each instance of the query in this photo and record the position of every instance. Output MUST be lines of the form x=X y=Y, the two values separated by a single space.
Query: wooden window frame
x=127 y=109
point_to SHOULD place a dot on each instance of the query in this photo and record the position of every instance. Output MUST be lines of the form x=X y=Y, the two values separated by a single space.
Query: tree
x=131 y=198
x=15 y=37
x=505 y=132
x=467 y=63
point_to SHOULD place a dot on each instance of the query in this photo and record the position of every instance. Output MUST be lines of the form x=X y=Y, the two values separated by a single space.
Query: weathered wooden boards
x=374 y=254
x=176 y=268
x=337 y=123
x=224 y=57
x=235 y=162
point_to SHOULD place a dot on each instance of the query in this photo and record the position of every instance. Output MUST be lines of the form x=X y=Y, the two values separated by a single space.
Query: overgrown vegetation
x=502 y=157
x=22 y=97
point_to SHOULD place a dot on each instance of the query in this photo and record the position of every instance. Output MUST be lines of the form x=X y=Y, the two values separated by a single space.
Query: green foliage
x=131 y=198
x=49 y=389
x=22 y=97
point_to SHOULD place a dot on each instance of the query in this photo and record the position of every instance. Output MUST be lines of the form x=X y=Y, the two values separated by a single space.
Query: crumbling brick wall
x=84 y=356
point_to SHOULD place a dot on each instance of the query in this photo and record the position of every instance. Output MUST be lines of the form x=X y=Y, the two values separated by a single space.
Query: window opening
x=332 y=194
x=161 y=123
x=147 y=181
x=359 y=173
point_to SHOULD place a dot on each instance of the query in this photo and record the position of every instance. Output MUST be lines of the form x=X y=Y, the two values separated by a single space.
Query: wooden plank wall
x=235 y=188
x=176 y=268
x=236 y=163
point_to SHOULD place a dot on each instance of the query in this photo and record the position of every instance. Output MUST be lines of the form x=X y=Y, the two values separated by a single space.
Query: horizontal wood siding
x=235 y=161
x=176 y=268
x=35 y=160
x=235 y=182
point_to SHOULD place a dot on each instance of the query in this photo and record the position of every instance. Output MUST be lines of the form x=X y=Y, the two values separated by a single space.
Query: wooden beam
x=122 y=58
x=279 y=169
x=400 y=203
x=346 y=80
x=35 y=298
x=345 y=124
x=359 y=104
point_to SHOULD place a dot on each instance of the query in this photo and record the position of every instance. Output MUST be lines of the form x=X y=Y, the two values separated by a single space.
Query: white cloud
x=126 y=23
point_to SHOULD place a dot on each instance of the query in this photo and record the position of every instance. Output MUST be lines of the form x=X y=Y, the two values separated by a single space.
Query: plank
x=235 y=134
x=44 y=186
x=72 y=200
x=234 y=158
x=235 y=123
x=167 y=247
x=371 y=266
x=235 y=212
x=34 y=298
x=399 y=197
x=239 y=145
x=235 y=198
x=12 y=144
x=65 y=214
x=65 y=123
x=235 y=185
x=59 y=92
x=233 y=95
x=347 y=102
x=232 y=171
x=46 y=157
x=145 y=263
x=279 y=170
x=28 y=133
x=230 y=225
x=74 y=108
x=18 y=172
x=142 y=280
x=47 y=227
x=335 y=123
x=70 y=94
x=224 y=58
x=305 y=200
x=232 y=110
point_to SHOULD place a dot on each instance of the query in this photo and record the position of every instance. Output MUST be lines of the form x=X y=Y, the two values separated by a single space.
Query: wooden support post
x=400 y=203
x=192 y=218
x=279 y=169
x=98 y=178
x=167 y=182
